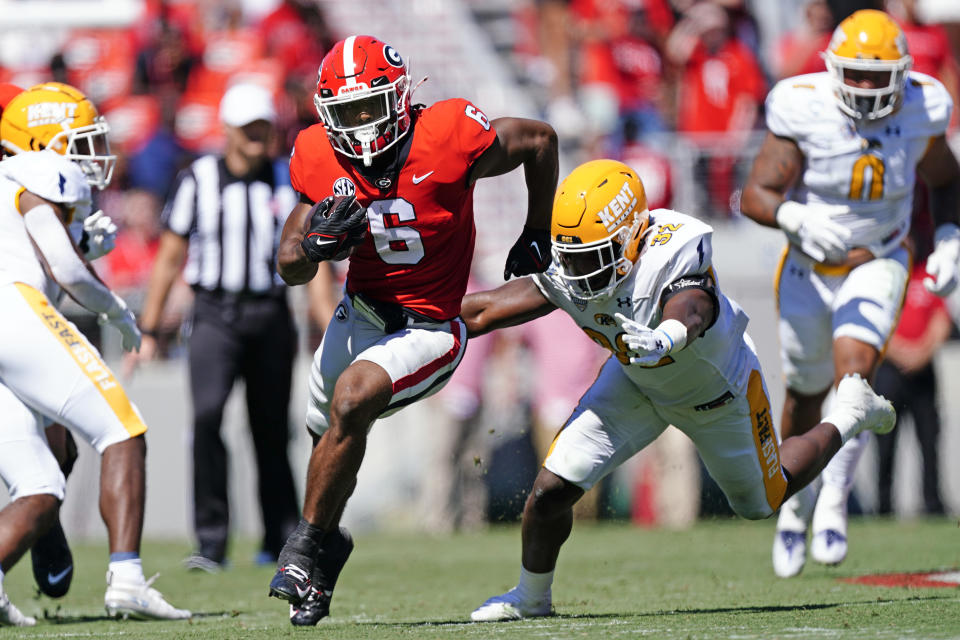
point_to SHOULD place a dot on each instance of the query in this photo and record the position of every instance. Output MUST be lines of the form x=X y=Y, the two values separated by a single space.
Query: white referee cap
x=246 y=103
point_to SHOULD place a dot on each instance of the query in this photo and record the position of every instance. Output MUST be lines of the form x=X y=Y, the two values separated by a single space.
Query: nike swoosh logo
x=54 y=578
x=302 y=592
x=321 y=241
x=533 y=245
x=418 y=179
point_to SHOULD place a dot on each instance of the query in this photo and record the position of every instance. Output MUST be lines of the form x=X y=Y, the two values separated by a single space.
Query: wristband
x=676 y=333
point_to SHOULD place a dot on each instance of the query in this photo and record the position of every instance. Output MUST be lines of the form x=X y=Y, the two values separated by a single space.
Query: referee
x=224 y=220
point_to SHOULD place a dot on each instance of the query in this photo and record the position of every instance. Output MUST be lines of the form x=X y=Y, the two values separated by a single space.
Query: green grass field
x=613 y=581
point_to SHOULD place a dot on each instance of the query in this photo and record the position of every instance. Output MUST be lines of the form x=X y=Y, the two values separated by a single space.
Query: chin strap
x=366 y=137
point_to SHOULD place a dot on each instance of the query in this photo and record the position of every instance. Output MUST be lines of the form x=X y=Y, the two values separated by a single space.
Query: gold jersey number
x=864 y=186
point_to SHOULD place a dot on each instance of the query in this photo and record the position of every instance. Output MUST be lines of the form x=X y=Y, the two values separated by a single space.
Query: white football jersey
x=867 y=165
x=50 y=176
x=677 y=245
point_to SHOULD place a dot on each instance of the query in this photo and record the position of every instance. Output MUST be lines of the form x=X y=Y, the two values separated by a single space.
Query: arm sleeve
x=67 y=268
x=180 y=212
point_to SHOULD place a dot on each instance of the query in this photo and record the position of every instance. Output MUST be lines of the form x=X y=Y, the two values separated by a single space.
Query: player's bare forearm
x=775 y=169
x=695 y=308
x=170 y=256
x=534 y=145
x=514 y=303
x=941 y=172
x=292 y=263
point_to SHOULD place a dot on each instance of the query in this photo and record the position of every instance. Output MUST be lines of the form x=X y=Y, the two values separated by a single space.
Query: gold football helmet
x=58 y=116
x=868 y=45
x=599 y=217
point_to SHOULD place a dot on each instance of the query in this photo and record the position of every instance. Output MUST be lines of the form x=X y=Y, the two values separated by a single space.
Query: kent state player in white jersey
x=836 y=172
x=48 y=369
x=641 y=284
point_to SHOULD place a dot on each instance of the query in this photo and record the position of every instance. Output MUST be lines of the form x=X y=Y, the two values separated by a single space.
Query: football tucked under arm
x=337 y=225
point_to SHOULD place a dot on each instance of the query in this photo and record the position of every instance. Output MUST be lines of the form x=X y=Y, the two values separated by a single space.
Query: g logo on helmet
x=392 y=56
x=344 y=187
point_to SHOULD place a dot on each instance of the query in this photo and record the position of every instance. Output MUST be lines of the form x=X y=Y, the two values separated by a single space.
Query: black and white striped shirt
x=233 y=225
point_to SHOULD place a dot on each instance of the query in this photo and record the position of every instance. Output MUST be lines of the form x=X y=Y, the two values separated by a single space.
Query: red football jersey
x=420 y=244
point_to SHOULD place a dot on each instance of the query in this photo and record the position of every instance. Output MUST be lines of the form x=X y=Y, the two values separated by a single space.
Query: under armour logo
x=624 y=302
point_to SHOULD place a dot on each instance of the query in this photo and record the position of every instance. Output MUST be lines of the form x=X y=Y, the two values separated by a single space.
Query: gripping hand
x=810 y=227
x=337 y=225
x=529 y=254
x=99 y=236
x=942 y=263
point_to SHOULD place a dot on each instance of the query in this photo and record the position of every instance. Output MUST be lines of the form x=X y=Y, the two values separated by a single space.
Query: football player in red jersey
x=391 y=185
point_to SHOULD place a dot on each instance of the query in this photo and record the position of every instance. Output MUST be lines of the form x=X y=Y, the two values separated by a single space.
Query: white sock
x=796 y=511
x=129 y=571
x=534 y=586
x=831 y=511
x=1 y=581
x=840 y=470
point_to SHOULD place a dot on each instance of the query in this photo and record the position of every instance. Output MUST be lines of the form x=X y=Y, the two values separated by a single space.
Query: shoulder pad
x=48 y=175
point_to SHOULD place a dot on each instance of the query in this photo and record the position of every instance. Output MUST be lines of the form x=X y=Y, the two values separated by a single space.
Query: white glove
x=101 y=235
x=125 y=322
x=810 y=227
x=648 y=346
x=942 y=263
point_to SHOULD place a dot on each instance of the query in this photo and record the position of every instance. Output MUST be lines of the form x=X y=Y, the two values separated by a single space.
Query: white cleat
x=131 y=600
x=828 y=547
x=789 y=553
x=510 y=606
x=871 y=411
x=829 y=544
x=10 y=616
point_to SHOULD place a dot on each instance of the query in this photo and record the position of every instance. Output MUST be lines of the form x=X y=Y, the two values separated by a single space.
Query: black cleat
x=291 y=583
x=331 y=558
x=311 y=610
x=52 y=562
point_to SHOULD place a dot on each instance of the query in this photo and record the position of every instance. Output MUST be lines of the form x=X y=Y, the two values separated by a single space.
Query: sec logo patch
x=344 y=187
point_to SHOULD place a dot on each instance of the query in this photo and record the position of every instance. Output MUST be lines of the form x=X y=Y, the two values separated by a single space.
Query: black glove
x=529 y=254
x=337 y=225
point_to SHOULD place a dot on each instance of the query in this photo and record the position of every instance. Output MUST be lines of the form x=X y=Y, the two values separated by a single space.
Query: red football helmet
x=363 y=97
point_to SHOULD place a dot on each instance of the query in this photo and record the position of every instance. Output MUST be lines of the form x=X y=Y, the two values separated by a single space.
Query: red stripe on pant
x=433 y=366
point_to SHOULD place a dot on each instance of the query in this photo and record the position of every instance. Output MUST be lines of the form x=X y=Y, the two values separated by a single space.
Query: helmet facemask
x=863 y=103
x=366 y=122
x=594 y=270
x=89 y=147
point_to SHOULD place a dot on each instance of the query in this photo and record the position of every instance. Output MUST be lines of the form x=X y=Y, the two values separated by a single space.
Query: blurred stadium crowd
x=631 y=79
x=675 y=88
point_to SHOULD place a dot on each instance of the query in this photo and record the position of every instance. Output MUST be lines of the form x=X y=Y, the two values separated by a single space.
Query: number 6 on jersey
x=396 y=242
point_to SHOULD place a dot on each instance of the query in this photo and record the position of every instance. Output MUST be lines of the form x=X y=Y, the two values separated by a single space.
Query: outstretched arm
x=694 y=308
x=687 y=313
x=534 y=145
x=45 y=224
x=514 y=303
